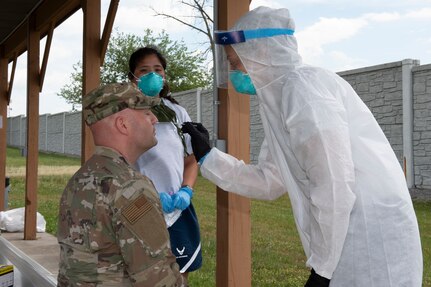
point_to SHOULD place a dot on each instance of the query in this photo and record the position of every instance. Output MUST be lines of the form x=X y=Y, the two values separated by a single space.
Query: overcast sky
x=335 y=34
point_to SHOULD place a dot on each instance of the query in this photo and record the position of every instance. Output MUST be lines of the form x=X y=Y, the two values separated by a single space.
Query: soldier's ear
x=122 y=124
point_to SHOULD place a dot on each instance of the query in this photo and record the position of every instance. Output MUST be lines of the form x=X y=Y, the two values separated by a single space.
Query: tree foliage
x=185 y=69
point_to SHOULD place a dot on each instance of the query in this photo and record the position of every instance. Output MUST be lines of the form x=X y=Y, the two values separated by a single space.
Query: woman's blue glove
x=182 y=198
x=167 y=202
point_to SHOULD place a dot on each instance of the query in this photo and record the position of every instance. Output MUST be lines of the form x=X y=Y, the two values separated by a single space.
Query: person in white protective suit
x=324 y=148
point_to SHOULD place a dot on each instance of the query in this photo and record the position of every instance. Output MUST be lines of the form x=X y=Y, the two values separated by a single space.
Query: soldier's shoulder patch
x=136 y=209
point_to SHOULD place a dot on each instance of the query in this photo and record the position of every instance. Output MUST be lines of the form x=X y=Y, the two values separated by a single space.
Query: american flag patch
x=138 y=208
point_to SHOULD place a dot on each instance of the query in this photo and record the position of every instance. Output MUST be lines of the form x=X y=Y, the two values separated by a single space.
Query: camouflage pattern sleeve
x=143 y=238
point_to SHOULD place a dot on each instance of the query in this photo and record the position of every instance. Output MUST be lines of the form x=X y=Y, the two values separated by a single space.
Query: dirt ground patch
x=43 y=170
x=420 y=194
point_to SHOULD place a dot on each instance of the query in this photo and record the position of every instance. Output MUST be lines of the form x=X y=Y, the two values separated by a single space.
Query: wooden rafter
x=46 y=55
x=12 y=77
x=49 y=12
x=107 y=29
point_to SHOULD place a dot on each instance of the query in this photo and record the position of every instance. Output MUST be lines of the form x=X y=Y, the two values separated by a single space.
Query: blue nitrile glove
x=167 y=202
x=182 y=198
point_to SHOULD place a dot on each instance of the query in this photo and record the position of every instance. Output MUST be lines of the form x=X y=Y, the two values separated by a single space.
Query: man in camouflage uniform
x=111 y=229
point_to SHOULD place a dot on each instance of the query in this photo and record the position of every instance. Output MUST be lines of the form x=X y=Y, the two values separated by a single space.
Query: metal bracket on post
x=219 y=144
x=198 y=105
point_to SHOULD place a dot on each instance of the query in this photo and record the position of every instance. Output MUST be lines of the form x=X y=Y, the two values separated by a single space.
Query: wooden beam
x=12 y=77
x=3 y=126
x=46 y=55
x=54 y=11
x=16 y=44
x=90 y=65
x=48 y=12
x=233 y=266
x=108 y=28
x=33 y=88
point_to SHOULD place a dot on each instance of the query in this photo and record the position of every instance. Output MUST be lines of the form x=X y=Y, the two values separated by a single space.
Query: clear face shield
x=225 y=56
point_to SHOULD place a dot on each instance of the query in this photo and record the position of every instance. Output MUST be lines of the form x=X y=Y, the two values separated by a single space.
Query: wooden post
x=3 y=125
x=33 y=88
x=91 y=65
x=233 y=211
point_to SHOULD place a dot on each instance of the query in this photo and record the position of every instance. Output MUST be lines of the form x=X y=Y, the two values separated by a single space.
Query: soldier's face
x=145 y=132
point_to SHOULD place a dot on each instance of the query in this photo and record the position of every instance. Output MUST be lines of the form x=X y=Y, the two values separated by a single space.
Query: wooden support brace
x=46 y=55
x=12 y=77
x=107 y=29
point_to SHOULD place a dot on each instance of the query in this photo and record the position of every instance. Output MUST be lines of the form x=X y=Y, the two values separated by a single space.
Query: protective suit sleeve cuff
x=201 y=161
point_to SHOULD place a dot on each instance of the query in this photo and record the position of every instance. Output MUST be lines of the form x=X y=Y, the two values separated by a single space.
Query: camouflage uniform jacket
x=111 y=229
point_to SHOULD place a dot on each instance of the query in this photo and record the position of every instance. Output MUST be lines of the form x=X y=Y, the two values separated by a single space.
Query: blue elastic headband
x=235 y=37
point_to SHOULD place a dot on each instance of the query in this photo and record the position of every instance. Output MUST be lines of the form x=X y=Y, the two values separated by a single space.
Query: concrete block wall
x=380 y=88
x=55 y=126
x=16 y=133
x=422 y=125
x=58 y=133
x=43 y=132
x=72 y=138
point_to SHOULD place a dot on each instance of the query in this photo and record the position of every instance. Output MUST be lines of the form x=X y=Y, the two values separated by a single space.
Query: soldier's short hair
x=109 y=99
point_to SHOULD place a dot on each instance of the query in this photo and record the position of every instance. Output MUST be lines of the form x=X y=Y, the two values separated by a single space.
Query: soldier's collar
x=109 y=152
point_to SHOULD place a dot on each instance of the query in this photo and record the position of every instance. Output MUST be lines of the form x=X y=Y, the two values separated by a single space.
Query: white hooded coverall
x=324 y=148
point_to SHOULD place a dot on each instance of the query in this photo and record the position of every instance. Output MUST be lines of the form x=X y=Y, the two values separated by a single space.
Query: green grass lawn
x=277 y=255
x=14 y=159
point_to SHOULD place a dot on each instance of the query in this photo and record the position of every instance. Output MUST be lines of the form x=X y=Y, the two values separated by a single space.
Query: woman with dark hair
x=170 y=164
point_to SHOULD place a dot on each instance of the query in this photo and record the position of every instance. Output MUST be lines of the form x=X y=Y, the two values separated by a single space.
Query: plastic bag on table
x=13 y=220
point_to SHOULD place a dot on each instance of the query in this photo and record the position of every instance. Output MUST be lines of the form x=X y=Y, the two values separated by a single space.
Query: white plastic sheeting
x=13 y=220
